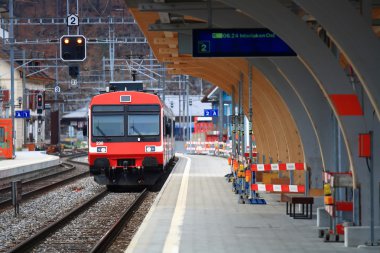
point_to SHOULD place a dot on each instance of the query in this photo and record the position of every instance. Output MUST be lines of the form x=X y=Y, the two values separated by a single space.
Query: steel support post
x=11 y=54
x=187 y=108
x=372 y=175
x=221 y=115
x=233 y=122
x=23 y=94
x=241 y=132
x=184 y=107
x=250 y=83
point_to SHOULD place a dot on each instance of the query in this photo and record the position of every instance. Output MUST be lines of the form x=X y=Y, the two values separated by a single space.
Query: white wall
x=5 y=83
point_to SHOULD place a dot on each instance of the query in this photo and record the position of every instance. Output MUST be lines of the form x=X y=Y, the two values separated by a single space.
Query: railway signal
x=40 y=103
x=73 y=48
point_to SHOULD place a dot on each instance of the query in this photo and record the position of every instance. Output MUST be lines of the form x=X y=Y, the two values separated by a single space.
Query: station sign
x=22 y=114
x=72 y=20
x=255 y=42
x=210 y=113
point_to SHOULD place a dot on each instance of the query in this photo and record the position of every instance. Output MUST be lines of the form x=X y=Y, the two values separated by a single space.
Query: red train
x=130 y=138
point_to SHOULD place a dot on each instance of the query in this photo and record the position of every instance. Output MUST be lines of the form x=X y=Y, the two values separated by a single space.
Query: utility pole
x=24 y=93
x=163 y=80
x=111 y=52
x=11 y=54
x=187 y=105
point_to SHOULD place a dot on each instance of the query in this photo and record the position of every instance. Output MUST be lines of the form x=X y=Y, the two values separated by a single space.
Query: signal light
x=73 y=48
x=40 y=103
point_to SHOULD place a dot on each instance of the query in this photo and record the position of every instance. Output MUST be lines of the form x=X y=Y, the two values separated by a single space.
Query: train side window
x=2 y=134
x=168 y=127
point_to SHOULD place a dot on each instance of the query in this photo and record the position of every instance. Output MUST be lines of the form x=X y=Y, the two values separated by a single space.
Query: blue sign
x=210 y=112
x=257 y=42
x=22 y=114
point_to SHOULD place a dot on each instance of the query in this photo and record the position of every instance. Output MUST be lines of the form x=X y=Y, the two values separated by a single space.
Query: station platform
x=196 y=211
x=25 y=162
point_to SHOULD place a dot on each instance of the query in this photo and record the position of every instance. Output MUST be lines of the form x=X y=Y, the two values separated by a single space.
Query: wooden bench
x=292 y=200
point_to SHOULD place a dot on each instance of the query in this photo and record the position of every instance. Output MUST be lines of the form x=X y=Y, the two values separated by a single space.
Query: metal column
x=233 y=122
x=250 y=132
x=221 y=115
x=24 y=94
x=11 y=53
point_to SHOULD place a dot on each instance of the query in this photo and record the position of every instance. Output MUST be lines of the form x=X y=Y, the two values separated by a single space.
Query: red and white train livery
x=130 y=138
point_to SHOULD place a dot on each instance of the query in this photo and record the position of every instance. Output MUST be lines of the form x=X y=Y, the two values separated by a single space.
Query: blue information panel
x=22 y=114
x=210 y=113
x=258 y=42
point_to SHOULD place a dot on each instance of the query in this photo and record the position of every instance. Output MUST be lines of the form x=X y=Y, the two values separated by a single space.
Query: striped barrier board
x=278 y=166
x=278 y=188
x=328 y=175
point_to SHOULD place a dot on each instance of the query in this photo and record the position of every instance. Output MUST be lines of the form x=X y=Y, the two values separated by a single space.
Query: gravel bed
x=122 y=241
x=82 y=159
x=82 y=233
x=40 y=212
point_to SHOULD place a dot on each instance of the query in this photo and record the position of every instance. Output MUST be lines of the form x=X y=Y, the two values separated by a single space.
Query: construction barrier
x=244 y=179
x=278 y=188
x=208 y=148
x=278 y=167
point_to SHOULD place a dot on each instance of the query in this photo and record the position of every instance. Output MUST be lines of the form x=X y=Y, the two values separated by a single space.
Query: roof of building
x=81 y=113
x=32 y=71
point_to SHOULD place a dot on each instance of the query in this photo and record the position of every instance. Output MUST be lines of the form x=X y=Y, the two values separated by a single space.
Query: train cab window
x=140 y=125
x=2 y=134
x=107 y=125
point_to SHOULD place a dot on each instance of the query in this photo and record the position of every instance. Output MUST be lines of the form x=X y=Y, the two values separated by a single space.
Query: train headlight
x=150 y=148
x=101 y=149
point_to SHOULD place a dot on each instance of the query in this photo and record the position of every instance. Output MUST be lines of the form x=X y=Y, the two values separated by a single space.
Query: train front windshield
x=143 y=125
x=119 y=123
x=108 y=125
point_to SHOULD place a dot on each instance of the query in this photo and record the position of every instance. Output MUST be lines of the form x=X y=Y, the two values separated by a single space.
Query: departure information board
x=257 y=42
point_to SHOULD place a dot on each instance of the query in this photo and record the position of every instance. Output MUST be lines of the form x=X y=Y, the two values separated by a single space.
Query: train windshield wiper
x=137 y=131
x=101 y=131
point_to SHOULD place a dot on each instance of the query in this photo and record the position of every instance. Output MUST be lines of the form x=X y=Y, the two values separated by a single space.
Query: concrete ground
x=196 y=211
x=26 y=161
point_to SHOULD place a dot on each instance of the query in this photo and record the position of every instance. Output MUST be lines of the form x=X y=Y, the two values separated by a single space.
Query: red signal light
x=79 y=40
x=39 y=101
x=66 y=40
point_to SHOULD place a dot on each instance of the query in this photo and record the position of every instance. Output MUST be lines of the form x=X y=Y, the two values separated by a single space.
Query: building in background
x=221 y=123
x=29 y=81
x=185 y=119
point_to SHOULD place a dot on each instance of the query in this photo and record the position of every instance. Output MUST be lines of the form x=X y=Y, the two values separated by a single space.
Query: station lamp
x=73 y=48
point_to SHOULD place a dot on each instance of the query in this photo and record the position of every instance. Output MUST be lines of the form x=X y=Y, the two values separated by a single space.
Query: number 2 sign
x=72 y=20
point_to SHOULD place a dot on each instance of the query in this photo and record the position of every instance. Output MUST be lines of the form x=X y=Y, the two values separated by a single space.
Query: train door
x=6 y=150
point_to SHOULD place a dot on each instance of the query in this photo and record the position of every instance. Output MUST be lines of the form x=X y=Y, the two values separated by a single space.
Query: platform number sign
x=210 y=113
x=72 y=20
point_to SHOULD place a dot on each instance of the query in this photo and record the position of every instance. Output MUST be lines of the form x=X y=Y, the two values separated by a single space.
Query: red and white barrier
x=278 y=188
x=278 y=166
x=208 y=147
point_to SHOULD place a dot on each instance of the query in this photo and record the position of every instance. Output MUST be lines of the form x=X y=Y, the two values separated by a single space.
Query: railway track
x=35 y=186
x=91 y=227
